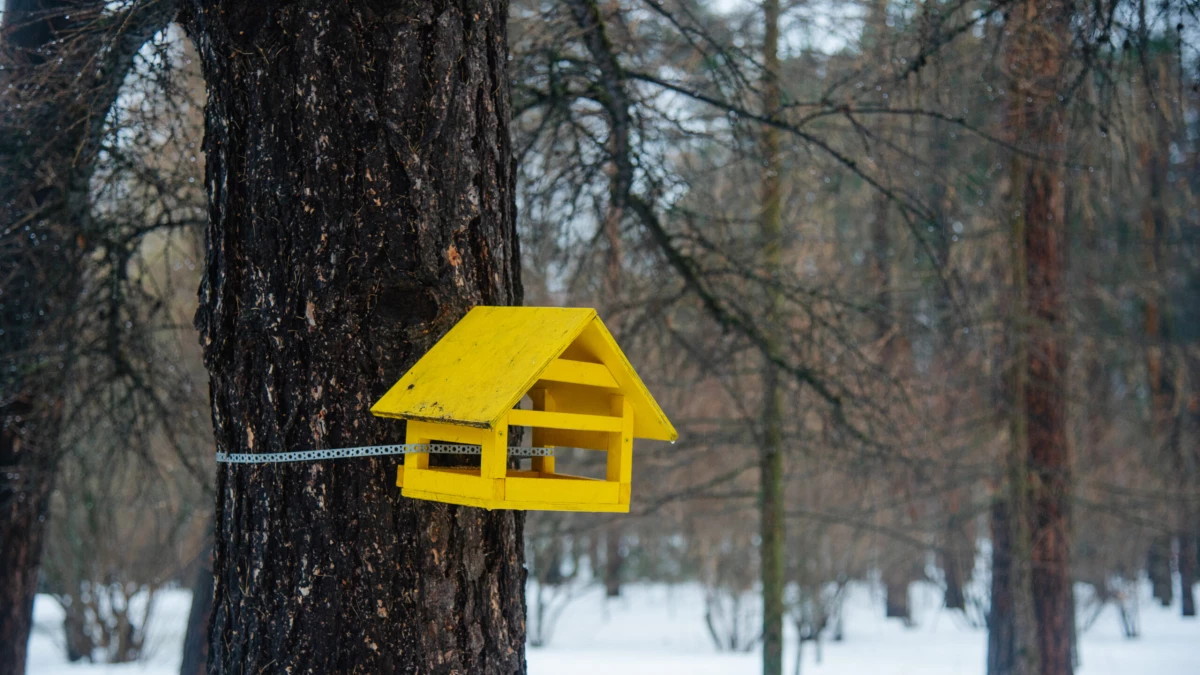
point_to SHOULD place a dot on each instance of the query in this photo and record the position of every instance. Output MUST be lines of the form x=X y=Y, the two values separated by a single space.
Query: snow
x=164 y=640
x=655 y=629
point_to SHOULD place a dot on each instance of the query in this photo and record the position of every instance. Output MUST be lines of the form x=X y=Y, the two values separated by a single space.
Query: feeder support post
x=620 y=444
x=542 y=400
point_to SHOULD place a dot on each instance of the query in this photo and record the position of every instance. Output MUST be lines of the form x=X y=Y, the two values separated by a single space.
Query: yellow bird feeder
x=466 y=389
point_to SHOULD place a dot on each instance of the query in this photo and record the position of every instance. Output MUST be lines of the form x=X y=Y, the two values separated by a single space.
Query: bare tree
x=63 y=65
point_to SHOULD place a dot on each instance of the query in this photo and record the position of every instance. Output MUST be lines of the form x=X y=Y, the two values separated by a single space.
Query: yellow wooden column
x=620 y=447
x=412 y=460
x=493 y=462
x=542 y=400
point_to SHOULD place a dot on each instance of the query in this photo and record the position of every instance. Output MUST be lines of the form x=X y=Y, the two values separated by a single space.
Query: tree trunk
x=896 y=604
x=1001 y=619
x=195 y=640
x=25 y=491
x=957 y=560
x=1187 y=573
x=771 y=502
x=1161 y=360
x=1040 y=34
x=614 y=561
x=361 y=201
x=31 y=178
x=1158 y=568
x=63 y=63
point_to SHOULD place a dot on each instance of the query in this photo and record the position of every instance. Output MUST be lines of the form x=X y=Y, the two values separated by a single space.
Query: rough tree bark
x=360 y=184
x=63 y=65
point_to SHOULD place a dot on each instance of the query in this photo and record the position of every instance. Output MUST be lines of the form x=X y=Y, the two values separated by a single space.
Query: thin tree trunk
x=25 y=489
x=896 y=604
x=1163 y=361
x=195 y=640
x=361 y=201
x=1002 y=655
x=1187 y=573
x=771 y=504
x=1158 y=568
x=957 y=559
x=614 y=562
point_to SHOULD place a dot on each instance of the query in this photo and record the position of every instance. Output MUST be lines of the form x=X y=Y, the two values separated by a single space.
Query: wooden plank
x=493 y=461
x=448 y=433
x=560 y=420
x=515 y=505
x=567 y=476
x=619 y=468
x=474 y=471
x=453 y=483
x=542 y=400
x=560 y=490
x=569 y=438
x=578 y=372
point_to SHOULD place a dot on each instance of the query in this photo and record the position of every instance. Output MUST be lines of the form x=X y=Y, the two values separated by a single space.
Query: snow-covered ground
x=659 y=630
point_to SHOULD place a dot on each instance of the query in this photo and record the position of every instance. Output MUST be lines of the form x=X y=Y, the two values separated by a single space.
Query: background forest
x=916 y=282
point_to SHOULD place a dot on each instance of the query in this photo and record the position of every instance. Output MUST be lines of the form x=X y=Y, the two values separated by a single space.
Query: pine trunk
x=361 y=201
x=1041 y=38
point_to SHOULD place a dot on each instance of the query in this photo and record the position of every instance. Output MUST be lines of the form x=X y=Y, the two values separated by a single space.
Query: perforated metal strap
x=369 y=451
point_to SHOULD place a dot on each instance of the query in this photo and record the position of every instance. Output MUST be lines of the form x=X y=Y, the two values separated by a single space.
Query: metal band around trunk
x=370 y=451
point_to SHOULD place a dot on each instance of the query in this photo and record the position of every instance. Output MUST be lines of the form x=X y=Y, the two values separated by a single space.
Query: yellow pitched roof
x=480 y=369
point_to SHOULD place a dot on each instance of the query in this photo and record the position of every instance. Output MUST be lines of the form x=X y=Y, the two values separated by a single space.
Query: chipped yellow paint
x=465 y=390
